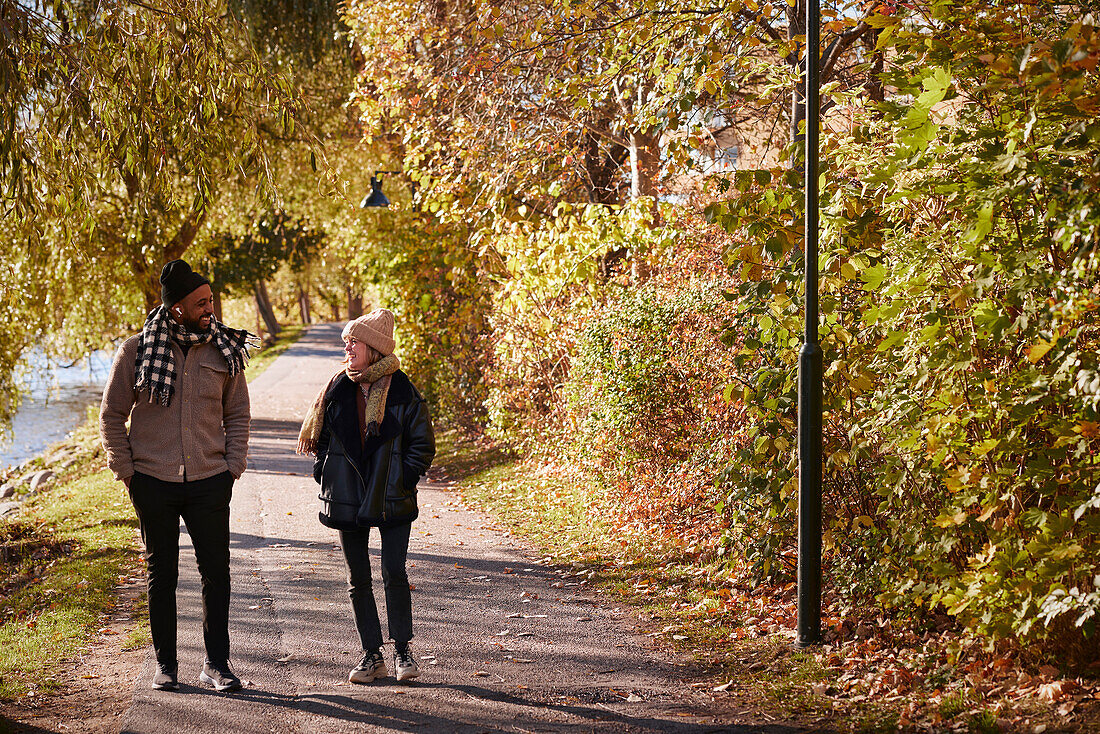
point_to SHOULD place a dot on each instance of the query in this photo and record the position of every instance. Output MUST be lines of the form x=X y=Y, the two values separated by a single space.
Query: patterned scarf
x=374 y=381
x=155 y=367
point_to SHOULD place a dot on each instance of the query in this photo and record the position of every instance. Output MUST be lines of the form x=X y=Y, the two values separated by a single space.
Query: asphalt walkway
x=505 y=642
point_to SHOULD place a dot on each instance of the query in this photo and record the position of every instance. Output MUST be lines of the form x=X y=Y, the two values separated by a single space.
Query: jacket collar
x=344 y=416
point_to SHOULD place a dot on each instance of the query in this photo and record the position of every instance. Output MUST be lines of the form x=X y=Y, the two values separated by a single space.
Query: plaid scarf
x=374 y=381
x=155 y=367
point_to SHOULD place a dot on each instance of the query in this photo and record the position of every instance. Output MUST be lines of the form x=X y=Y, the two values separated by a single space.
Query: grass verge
x=77 y=541
x=871 y=677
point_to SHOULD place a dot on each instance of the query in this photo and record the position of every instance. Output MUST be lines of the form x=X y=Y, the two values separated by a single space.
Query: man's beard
x=195 y=326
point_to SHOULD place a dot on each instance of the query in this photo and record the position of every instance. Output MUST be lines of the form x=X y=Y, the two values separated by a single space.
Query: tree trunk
x=875 y=90
x=263 y=305
x=148 y=274
x=217 y=303
x=645 y=160
x=355 y=305
x=303 y=304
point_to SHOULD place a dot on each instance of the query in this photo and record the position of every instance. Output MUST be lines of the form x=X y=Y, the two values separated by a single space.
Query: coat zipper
x=362 y=482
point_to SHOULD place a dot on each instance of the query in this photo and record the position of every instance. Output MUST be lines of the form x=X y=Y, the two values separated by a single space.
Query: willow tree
x=122 y=124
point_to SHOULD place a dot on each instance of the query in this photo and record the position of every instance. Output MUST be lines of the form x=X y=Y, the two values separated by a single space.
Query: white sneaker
x=371 y=668
x=404 y=666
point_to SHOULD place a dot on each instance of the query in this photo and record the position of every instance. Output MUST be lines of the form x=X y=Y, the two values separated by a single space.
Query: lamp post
x=810 y=367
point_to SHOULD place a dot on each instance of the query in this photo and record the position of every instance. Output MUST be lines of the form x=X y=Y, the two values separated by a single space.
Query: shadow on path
x=7 y=726
x=349 y=708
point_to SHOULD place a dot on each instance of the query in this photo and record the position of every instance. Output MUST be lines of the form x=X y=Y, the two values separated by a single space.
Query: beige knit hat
x=375 y=329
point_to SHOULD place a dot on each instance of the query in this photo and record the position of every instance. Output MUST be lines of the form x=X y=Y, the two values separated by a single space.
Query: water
x=56 y=404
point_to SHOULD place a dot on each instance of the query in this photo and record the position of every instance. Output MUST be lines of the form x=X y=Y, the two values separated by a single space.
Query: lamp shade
x=375 y=197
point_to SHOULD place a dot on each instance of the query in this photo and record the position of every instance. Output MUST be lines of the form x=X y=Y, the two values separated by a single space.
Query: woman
x=371 y=433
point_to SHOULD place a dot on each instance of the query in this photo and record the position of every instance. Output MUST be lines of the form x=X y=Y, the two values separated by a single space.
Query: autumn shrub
x=959 y=294
x=549 y=278
x=644 y=395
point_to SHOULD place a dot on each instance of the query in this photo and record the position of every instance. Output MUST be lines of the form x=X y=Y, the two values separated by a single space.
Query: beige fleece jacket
x=202 y=432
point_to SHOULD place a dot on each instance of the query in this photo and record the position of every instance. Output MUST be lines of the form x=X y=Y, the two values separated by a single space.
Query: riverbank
x=56 y=402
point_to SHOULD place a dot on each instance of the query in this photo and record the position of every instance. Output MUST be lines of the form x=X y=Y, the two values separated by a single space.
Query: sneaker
x=404 y=665
x=165 y=678
x=219 y=676
x=372 y=667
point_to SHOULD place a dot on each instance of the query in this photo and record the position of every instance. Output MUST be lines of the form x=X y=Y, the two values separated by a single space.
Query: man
x=181 y=384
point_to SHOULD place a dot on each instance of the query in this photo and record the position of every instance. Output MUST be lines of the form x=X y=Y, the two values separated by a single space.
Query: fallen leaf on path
x=723 y=687
x=1058 y=690
x=481 y=673
x=634 y=699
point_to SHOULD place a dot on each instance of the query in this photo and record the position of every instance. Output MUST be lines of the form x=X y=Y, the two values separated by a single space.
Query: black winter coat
x=372 y=484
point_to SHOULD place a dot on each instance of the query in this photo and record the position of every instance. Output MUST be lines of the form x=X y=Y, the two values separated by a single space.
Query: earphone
x=179 y=310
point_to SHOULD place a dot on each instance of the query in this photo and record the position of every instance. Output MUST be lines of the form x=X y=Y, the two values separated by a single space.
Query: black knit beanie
x=177 y=279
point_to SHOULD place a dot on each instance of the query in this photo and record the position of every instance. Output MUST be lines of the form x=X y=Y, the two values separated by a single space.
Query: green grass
x=984 y=722
x=139 y=636
x=954 y=704
x=84 y=537
x=262 y=359
x=457 y=458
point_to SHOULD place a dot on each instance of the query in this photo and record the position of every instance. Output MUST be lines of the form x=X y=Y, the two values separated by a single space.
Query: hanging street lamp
x=376 y=198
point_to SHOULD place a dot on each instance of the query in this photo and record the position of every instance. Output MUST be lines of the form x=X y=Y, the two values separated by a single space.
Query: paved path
x=505 y=643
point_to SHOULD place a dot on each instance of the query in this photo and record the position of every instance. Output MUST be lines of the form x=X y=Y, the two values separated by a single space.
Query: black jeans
x=204 y=507
x=395 y=547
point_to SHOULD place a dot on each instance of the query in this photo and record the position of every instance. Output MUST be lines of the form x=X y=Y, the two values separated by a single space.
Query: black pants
x=204 y=507
x=395 y=548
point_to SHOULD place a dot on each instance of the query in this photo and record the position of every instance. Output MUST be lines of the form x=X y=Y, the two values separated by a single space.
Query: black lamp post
x=376 y=198
x=810 y=369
